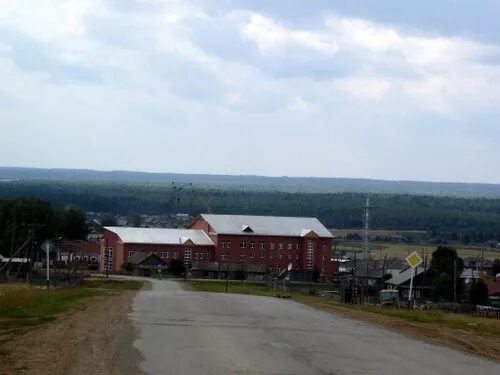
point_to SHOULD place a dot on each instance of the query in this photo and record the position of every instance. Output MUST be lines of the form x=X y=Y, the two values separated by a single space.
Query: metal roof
x=161 y=236
x=266 y=225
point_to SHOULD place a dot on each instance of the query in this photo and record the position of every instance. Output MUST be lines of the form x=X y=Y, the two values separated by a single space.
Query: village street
x=185 y=332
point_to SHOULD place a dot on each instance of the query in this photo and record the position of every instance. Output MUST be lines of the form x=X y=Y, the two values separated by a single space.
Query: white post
x=411 y=283
x=47 y=258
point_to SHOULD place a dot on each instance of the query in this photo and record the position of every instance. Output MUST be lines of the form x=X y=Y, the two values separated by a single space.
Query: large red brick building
x=120 y=243
x=272 y=241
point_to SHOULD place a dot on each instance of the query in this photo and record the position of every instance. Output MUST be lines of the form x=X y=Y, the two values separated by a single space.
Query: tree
x=442 y=288
x=135 y=221
x=176 y=267
x=72 y=224
x=478 y=293
x=24 y=218
x=495 y=268
x=108 y=220
x=442 y=263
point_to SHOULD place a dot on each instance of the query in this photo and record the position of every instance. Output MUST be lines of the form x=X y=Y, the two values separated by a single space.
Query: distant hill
x=260 y=183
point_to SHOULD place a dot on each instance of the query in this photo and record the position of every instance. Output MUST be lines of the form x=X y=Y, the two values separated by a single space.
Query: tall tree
x=443 y=263
x=73 y=225
x=478 y=293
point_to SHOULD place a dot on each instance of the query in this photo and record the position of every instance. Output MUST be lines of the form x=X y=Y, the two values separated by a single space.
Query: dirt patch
x=97 y=338
x=484 y=346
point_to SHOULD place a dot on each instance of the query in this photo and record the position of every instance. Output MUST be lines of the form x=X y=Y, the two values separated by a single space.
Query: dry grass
x=381 y=249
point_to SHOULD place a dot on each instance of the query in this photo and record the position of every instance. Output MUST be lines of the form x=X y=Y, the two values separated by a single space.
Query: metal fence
x=488 y=311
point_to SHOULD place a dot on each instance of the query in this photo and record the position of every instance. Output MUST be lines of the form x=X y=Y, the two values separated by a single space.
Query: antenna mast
x=367 y=227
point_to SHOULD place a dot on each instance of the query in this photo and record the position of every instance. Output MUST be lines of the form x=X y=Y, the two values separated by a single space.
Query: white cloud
x=269 y=35
x=360 y=87
x=365 y=88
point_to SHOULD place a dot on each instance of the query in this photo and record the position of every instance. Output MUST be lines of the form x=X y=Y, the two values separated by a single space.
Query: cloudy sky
x=379 y=89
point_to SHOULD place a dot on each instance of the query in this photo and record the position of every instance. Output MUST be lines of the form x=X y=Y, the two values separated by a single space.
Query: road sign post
x=414 y=260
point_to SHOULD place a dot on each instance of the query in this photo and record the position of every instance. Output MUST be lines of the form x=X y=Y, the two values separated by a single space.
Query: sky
x=386 y=89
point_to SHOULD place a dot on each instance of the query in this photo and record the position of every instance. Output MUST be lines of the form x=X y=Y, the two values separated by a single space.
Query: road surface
x=182 y=333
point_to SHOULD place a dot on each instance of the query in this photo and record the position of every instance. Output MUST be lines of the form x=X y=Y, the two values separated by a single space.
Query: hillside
x=261 y=183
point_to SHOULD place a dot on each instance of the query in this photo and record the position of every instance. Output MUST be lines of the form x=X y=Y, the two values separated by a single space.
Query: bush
x=127 y=266
x=177 y=268
x=478 y=293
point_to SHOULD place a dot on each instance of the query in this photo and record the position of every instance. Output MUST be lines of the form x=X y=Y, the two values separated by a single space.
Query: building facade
x=119 y=244
x=273 y=241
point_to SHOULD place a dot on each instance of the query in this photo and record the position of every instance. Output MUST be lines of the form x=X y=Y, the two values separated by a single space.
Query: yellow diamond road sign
x=414 y=259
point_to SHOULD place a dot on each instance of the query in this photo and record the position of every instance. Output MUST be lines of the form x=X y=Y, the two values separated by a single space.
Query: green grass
x=22 y=305
x=111 y=284
x=480 y=325
x=216 y=286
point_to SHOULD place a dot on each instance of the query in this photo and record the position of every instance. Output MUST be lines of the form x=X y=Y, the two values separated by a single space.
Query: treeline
x=477 y=219
x=32 y=218
x=260 y=183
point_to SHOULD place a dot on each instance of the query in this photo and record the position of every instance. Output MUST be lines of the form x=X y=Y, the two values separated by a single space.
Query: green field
x=22 y=305
x=381 y=249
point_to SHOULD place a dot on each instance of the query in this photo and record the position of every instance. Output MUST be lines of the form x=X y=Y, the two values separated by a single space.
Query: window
x=243 y=244
x=252 y=255
x=168 y=255
x=297 y=256
x=207 y=256
x=252 y=245
x=310 y=255
x=290 y=246
x=289 y=256
x=262 y=255
x=228 y=244
x=271 y=245
x=262 y=245
x=223 y=244
x=324 y=247
x=162 y=255
x=108 y=258
x=196 y=255
x=271 y=256
x=297 y=246
x=174 y=255
x=129 y=253
x=282 y=246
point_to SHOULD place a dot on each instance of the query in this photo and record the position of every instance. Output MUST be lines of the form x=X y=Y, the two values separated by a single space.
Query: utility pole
x=455 y=285
x=47 y=258
x=367 y=228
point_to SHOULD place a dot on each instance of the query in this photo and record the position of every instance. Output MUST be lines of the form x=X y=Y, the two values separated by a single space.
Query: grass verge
x=22 y=305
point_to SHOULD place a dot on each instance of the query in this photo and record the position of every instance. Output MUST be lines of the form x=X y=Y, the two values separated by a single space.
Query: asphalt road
x=182 y=332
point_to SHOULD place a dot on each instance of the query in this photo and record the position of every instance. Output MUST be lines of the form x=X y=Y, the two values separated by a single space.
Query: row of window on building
x=262 y=245
x=262 y=256
x=173 y=255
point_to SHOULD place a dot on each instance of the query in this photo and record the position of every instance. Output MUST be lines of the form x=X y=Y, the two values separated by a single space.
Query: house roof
x=140 y=257
x=493 y=284
x=400 y=277
x=161 y=236
x=267 y=225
